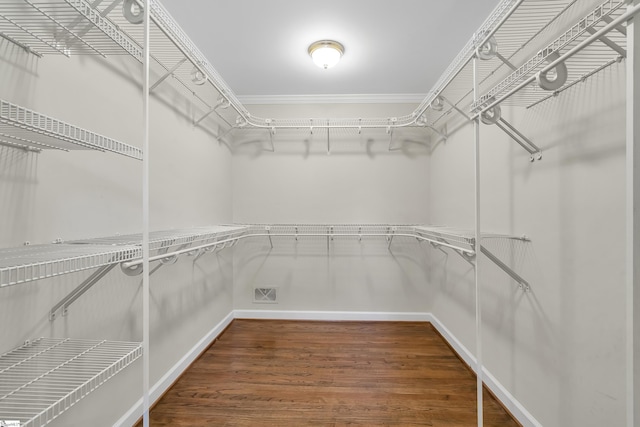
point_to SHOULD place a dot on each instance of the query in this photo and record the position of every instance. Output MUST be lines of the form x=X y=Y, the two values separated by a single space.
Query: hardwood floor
x=292 y=373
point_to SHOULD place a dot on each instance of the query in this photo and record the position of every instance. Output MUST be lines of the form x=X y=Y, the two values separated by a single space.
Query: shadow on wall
x=170 y=93
x=559 y=123
x=188 y=287
x=18 y=185
x=502 y=297
x=19 y=70
x=342 y=274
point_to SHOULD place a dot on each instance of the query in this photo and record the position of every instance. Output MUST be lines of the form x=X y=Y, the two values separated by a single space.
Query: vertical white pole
x=476 y=128
x=145 y=218
x=633 y=212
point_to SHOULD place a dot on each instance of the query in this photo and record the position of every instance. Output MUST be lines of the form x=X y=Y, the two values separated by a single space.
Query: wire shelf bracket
x=523 y=141
x=524 y=285
x=608 y=42
x=167 y=74
x=64 y=304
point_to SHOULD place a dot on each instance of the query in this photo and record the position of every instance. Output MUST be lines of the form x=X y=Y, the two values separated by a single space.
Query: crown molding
x=384 y=98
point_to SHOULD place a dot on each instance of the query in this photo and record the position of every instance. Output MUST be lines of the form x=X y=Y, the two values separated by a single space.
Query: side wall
x=559 y=349
x=80 y=194
x=360 y=181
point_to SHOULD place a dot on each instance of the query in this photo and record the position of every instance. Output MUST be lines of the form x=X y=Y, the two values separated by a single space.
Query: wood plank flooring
x=292 y=373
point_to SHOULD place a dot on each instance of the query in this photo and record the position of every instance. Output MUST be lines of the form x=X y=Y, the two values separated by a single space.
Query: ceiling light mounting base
x=326 y=53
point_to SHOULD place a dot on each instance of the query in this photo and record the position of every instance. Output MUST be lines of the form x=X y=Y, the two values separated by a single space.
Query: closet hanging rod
x=134 y=263
x=571 y=52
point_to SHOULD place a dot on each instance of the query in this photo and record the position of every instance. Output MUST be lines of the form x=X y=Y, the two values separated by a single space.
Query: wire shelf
x=23 y=127
x=455 y=238
x=589 y=59
x=42 y=379
x=35 y=262
x=64 y=27
x=162 y=240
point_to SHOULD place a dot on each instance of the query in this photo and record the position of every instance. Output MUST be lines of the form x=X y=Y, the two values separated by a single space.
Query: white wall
x=360 y=181
x=558 y=349
x=82 y=194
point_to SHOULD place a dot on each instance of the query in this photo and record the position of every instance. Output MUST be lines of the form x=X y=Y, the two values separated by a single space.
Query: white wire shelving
x=64 y=27
x=161 y=240
x=35 y=262
x=610 y=47
x=42 y=379
x=526 y=33
x=29 y=263
x=22 y=127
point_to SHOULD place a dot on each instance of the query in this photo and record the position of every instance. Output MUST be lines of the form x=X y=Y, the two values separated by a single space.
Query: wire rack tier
x=171 y=239
x=64 y=27
x=581 y=25
x=456 y=238
x=535 y=31
x=43 y=378
x=34 y=262
x=23 y=127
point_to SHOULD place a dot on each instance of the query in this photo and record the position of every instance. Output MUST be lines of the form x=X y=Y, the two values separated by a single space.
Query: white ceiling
x=260 y=47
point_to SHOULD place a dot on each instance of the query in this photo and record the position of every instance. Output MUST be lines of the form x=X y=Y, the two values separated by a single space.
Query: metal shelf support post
x=476 y=248
x=633 y=217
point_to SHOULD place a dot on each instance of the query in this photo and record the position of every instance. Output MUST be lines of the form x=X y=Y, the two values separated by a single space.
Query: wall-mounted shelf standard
x=42 y=379
x=25 y=128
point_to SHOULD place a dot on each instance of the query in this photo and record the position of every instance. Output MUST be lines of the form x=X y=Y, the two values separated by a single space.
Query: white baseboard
x=332 y=315
x=160 y=387
x=516 y=409
x=508 y=400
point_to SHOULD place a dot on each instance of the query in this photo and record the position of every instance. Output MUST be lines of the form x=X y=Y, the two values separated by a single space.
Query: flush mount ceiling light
x=326 y=53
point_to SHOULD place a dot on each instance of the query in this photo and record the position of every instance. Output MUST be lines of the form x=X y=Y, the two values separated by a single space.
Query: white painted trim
x=508 y=400
x=163 y=384
x=332 y=315
x=383 y=98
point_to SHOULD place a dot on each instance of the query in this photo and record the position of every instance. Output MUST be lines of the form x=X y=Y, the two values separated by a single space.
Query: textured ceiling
x=260 y=47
